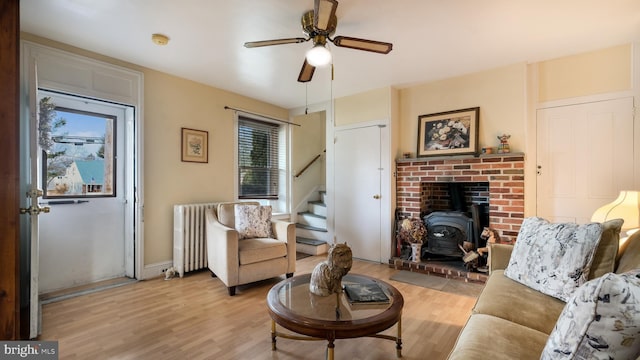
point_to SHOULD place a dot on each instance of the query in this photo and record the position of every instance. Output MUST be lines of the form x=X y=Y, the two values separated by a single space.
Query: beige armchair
x=238 y=261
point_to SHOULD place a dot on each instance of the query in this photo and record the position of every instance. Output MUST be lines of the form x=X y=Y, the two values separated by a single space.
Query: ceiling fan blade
x=252 y=44
x=306 y=73
x=363 y=44
x=323 y=11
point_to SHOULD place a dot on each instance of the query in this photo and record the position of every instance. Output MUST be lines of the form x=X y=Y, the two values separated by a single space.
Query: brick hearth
x=446 y=269
x=504 y=173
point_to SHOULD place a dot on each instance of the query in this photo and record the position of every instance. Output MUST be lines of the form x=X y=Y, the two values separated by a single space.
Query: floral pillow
x=253 y=221
x=553 y=258
x=600 y=321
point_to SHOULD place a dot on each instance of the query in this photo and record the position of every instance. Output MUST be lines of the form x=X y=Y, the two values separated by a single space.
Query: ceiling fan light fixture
x=318 y=55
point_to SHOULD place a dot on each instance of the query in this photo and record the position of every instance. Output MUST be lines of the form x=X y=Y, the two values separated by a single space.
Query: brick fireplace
x=504 y=174
x=496 y=180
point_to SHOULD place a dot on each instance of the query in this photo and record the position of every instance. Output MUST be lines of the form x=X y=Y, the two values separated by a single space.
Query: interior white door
x=358 y=191
x=584 y=158
x=82 y=239
x=29 y=179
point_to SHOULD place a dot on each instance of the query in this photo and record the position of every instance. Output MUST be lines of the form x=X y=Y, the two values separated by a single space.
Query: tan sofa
x=238 y=261
x=512 y=321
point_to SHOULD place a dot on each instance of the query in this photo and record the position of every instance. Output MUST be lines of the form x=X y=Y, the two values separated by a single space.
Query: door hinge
x=34 y=194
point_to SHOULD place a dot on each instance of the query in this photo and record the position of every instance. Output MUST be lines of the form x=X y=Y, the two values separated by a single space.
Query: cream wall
x=500 y=94
x=602 y=71
x=171 y=103
x=503 y=95
x=308 y=140
x=509 y=96
x=367 y=106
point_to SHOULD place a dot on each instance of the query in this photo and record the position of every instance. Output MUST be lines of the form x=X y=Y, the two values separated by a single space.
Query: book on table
x=366 y=293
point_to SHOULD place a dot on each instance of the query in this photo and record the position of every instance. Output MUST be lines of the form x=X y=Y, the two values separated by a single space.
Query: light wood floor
x=194 y=318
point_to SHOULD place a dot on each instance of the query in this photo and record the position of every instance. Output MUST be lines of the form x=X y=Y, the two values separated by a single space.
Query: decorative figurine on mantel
x=503 y=148
x=326 y=278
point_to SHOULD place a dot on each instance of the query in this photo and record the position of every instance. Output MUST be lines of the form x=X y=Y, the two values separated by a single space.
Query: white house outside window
x=78 y=152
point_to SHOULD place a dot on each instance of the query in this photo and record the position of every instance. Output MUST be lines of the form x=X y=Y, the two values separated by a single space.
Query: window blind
x=257 y=159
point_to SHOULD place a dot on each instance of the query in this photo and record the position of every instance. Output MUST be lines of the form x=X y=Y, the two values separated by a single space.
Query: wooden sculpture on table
x=326 y=278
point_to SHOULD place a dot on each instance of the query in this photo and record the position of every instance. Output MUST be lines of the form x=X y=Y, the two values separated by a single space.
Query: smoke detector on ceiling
x=160 y=39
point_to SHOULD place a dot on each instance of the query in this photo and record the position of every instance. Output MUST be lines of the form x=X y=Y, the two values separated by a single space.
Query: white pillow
x=600 y=321
x=553 y=258
x=252 y=221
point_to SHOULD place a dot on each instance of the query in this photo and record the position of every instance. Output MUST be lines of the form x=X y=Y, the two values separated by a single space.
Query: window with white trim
x=262 y=162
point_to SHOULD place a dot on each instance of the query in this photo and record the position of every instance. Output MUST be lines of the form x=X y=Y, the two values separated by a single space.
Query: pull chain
x=333 y=114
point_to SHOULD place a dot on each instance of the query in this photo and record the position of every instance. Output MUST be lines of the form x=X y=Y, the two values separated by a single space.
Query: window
x=262 y=162
x=78 y=152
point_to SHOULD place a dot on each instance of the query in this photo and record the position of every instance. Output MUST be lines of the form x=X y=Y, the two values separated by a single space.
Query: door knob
x=376 y=196
x=35 y=210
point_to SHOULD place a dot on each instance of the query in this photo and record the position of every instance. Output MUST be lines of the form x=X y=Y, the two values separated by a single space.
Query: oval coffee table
x=292 y=306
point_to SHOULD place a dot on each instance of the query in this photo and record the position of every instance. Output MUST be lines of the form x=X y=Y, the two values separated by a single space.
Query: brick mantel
x=504 y=173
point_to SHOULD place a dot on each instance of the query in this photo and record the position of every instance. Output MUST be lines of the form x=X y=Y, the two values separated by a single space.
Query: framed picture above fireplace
x=448 y=133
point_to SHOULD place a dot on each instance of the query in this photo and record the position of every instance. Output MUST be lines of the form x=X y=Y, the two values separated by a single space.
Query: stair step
x=310 y=234
x=317 y=207
x=312 y=219
x=308 y=227
x=313 y=242
x=311 y=246
x=309 y=213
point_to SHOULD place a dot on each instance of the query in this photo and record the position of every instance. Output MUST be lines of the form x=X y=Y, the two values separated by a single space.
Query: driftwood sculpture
x=326 y=278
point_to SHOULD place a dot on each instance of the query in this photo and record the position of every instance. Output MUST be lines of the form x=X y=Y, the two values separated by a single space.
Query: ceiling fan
x=319 y=24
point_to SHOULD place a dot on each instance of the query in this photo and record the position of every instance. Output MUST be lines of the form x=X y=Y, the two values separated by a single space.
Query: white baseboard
x=154 y=270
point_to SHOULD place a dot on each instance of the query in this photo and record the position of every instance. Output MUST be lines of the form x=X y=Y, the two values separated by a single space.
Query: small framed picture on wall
x=195 y=145
x=448 y=133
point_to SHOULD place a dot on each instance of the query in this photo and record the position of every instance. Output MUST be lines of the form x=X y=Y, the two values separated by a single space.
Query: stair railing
x=310 y=163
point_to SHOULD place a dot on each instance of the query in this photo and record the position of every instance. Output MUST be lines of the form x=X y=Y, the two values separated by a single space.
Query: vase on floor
x=415 y=252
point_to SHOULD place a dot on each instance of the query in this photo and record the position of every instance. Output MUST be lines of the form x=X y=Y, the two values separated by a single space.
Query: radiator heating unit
x=189 y=237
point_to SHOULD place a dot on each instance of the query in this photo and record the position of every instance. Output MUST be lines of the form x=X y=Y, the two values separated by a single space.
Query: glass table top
x=295 y=296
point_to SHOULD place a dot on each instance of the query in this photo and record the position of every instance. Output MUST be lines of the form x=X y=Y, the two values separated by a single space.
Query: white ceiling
x=432 y=39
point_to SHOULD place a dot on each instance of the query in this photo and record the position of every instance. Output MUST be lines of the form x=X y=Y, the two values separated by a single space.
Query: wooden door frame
x=11 y=318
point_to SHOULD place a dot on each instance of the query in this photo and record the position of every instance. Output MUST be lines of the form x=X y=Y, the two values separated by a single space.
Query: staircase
x=311 y=227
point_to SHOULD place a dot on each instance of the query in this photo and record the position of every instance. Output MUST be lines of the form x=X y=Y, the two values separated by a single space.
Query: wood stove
x=446 y=232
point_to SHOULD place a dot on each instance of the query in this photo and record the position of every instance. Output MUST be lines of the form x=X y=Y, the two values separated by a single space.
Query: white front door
x=584 y=158
x=69 y=73
x=358 y=191
x=83 y=174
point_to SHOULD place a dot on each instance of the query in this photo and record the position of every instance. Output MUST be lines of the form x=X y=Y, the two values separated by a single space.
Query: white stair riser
x=317 y=209
x=311 y=234
x=312 y=249
x=312 y=221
